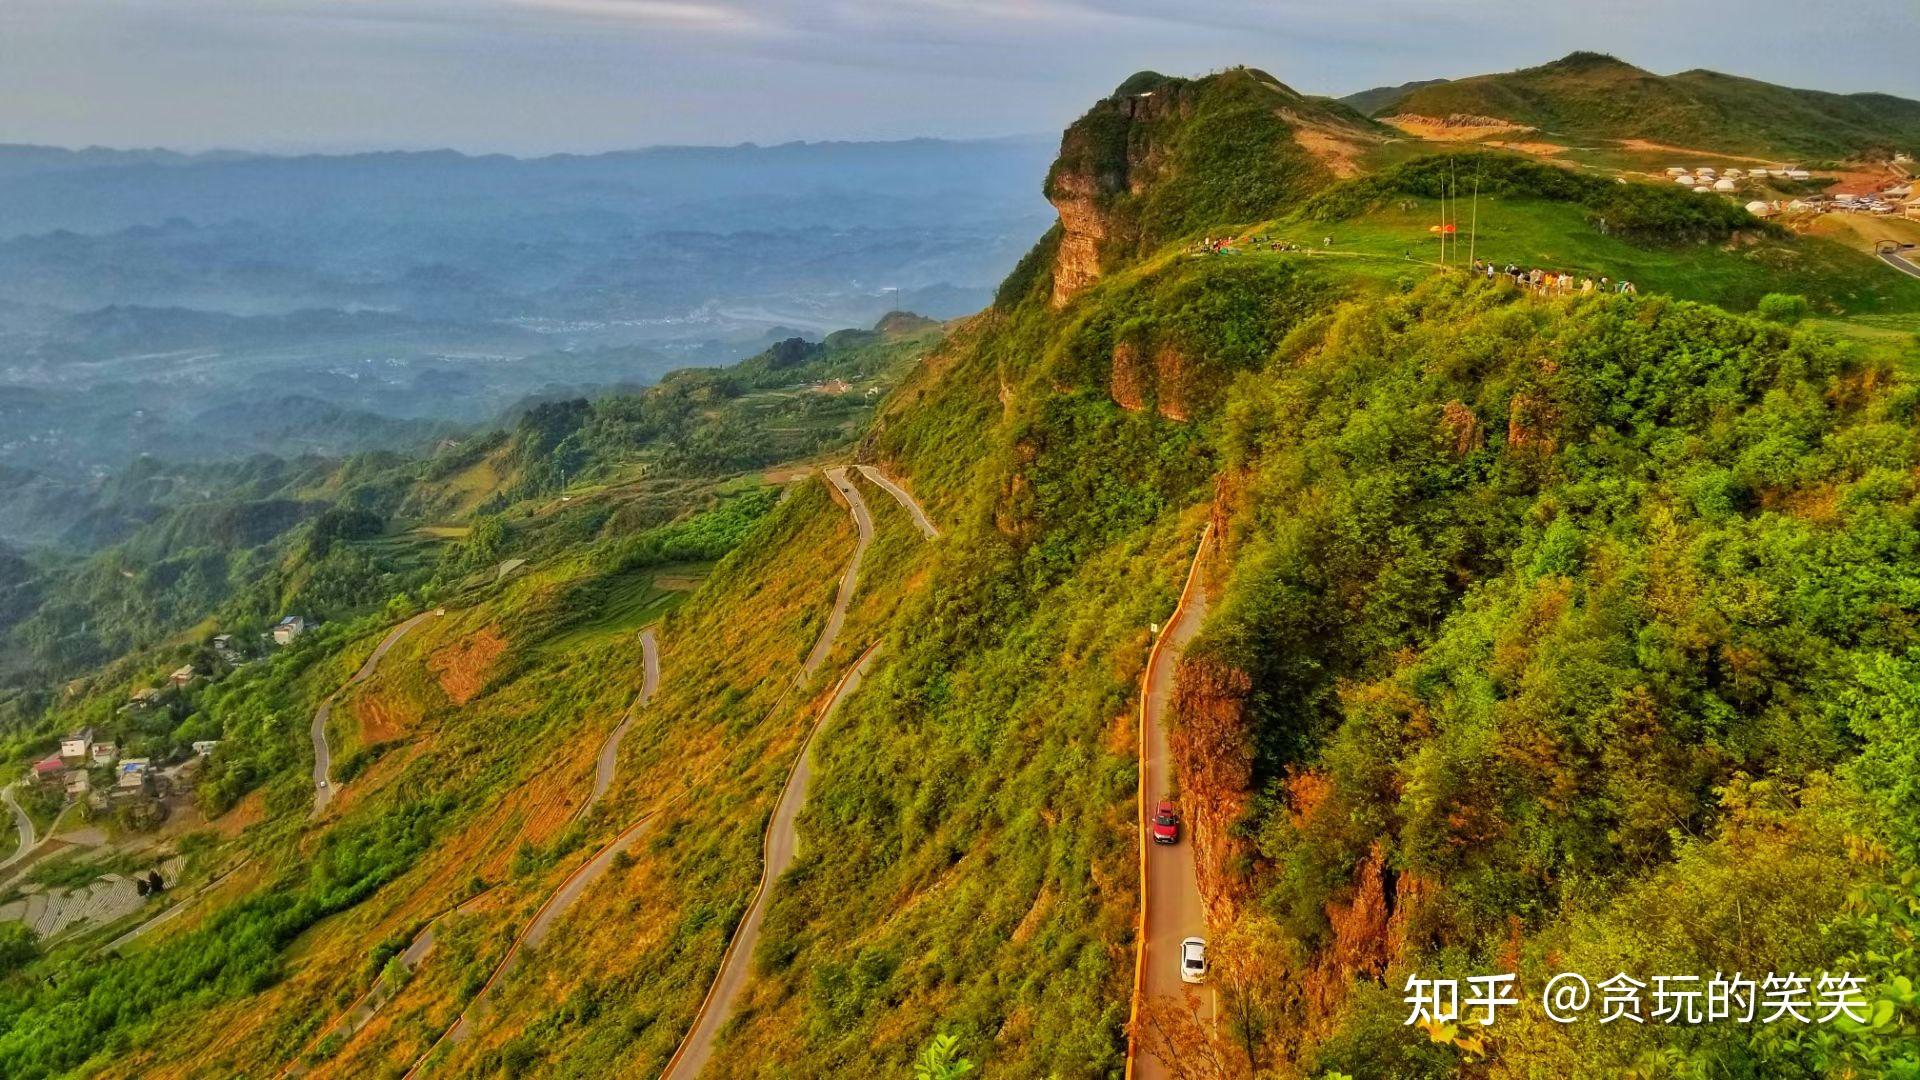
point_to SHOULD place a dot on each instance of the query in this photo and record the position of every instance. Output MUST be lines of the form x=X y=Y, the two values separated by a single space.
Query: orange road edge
x=766 y=838
x=1140 y=798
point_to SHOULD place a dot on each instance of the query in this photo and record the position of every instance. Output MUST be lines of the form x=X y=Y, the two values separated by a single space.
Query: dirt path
x=906 y=500
x=610 y=750
x=1170 y=898
x=322 y=755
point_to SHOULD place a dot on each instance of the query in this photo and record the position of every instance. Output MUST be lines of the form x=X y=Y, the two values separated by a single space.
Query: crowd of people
x=1227 y=245
x=1552 y=281
x=1534 y=279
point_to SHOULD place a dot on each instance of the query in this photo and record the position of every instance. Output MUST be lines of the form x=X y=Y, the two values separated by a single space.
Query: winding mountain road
x=1171 y=909
x=610 y=750
x=1899 y=262
x=906 y=500
x=322 y=755
x=21 y=822
x=781 y=844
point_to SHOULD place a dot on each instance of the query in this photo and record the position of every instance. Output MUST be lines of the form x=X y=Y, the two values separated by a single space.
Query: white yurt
x=1724 y=184
x=1702 y=189
x=1705 y=170
x=1675 y=170
x=1733 y=174
x=1799 y=174
x=1761 y=208
x=1759 y=174
x=1684 y=178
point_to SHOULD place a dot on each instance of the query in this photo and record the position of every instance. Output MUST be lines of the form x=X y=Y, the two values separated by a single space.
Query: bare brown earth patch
x=1456 y=128
x=381 y=718
x=248 y=811
x=462 y=668
x=1339 y=149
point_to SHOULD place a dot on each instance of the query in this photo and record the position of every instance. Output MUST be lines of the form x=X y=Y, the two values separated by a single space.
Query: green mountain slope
x=1592 y=96
x=1542 y=625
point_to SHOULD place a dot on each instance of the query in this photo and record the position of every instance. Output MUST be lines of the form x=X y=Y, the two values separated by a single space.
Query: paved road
x=1173 y=908
x=1899 y=262
x=782 y=844
x=905 y=499
x=863 y=525
x=781 y=841
x=180 y=904
x=21 y=822
x=577 y=883
x=322 y=755
x=610 y=750
x=563 y=898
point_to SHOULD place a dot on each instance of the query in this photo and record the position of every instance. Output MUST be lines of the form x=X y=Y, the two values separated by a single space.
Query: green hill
x=1587 y=96
x=1541 y=625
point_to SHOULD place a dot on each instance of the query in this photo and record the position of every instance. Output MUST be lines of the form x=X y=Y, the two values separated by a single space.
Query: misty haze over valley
x=211 y=306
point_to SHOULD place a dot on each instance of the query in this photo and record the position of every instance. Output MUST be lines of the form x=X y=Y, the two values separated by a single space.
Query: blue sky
x=535 y=76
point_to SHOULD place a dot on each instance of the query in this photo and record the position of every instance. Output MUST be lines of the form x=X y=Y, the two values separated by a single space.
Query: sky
x=542 y=76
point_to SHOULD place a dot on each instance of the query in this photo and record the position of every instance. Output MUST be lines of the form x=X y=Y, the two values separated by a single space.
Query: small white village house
x=76 y=746
x=288 y=628
x=203 y=747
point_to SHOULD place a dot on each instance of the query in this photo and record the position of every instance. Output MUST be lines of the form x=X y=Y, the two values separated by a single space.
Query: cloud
x=660 y=13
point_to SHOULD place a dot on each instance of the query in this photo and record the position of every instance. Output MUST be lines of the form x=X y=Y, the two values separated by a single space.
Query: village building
x=132 y=772
x=288 y=628
x=203 y=747
x=78 y=783
x=182 y=676
x=49 y=770
x=145 y=698
x=104 y=753
x=76 y=746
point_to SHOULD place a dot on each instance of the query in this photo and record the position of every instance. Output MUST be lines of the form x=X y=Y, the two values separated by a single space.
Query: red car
x=1166 y=825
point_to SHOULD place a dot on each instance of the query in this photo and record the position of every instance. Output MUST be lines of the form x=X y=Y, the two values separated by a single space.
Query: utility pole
x=1473 y=229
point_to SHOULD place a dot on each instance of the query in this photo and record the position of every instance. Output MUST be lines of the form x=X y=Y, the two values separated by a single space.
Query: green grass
x=633 y=600
x=1556 y=236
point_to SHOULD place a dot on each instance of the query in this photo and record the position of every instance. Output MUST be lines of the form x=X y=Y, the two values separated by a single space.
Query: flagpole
x=1473 y=229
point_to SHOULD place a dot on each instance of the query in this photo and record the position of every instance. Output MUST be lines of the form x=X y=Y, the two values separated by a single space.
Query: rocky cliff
x=1163 y=156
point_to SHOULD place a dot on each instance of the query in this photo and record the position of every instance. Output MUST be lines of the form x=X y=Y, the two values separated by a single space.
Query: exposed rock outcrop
x=1213 y=756
x=1163 y=156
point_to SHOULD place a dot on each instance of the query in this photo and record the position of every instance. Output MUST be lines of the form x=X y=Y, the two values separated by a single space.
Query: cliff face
x=1163 y=156
x=1213 y=755
x=1116 y=149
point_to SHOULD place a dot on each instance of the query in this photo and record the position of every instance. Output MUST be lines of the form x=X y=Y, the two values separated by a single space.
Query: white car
x=1193 y=960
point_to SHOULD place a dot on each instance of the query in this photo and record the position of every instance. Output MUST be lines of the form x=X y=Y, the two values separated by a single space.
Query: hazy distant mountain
x=1370 y=102
x=1594 y=96
x=142 y=291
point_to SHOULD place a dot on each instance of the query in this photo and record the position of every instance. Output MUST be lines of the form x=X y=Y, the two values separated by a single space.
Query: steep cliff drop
x=1163 y=156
